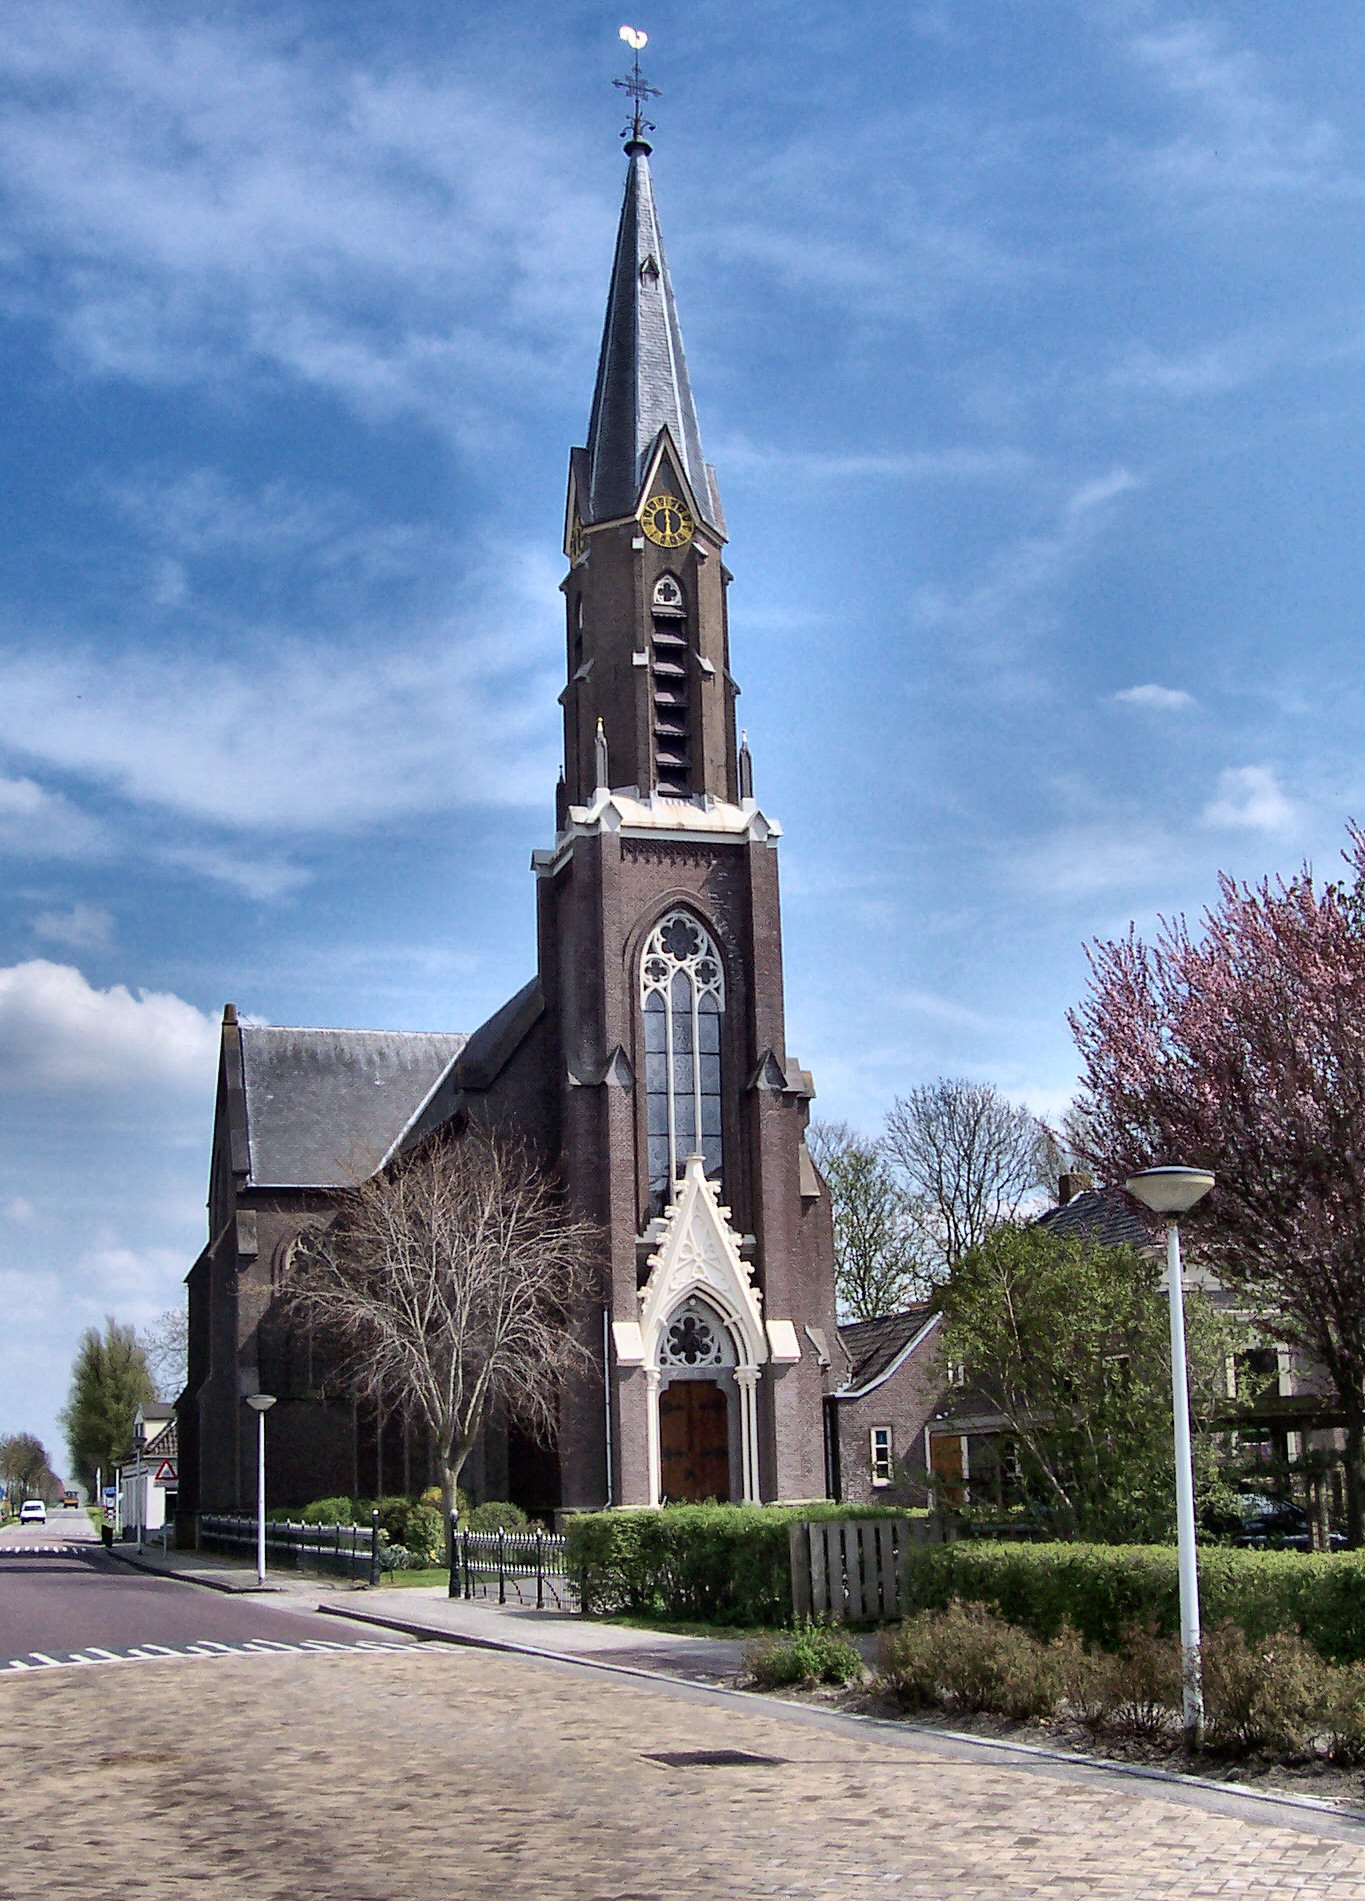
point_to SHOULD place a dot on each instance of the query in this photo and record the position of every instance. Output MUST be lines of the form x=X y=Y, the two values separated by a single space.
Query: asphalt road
x=65 y=1602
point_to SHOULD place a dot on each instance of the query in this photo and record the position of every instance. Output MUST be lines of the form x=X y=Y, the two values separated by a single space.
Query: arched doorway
x=698 y=1406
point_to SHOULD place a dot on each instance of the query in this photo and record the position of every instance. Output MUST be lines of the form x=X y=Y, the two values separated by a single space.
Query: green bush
x=812 y=1653
x=395 y=1558
x=728 y=1564
x=1104 y=1588
x=496 y=1514
x=420 y=1528
x=332 y=1511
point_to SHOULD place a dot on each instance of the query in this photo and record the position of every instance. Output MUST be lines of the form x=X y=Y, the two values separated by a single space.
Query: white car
x=33 y=1512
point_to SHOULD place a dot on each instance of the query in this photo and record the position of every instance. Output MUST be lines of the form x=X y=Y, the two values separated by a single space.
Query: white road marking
x=204 y=1648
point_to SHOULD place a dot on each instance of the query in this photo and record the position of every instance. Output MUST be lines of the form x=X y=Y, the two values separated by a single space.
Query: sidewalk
x=427 y=1611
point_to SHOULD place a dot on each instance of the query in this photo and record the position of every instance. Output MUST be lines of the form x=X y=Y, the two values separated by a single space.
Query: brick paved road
x=466 y=1774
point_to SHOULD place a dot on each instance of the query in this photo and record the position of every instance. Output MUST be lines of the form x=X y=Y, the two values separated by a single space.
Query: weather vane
x=637 y=86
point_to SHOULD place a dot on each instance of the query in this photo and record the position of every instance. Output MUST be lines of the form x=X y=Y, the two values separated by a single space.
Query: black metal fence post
x=464 y=1549
x=540 y=1569
x=453 y=1588
x=502 y=1569
x=374 y=1546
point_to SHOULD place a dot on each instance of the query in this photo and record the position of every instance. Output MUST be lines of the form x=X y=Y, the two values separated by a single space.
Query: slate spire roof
x=642 y=382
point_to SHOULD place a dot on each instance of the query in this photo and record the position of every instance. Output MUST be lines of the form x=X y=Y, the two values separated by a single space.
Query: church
x=646 y=1062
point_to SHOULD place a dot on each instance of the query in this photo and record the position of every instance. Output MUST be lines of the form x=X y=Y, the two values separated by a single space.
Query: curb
x=190 y=1577
x=1037 y=1752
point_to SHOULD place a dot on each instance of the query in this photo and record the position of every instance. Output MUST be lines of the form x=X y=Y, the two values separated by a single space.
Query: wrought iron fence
x=349 y=1551
x=531 y=1565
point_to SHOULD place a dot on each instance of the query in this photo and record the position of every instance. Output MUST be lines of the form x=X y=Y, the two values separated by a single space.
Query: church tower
x=678 y=1113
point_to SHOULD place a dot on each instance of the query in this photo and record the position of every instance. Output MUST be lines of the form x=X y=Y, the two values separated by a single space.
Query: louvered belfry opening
x=672 y=691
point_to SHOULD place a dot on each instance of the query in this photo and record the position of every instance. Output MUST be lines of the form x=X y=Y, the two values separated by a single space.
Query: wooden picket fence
x=850 y=1568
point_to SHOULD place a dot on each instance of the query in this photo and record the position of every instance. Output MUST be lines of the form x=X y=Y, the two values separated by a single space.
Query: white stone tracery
x=682 y=996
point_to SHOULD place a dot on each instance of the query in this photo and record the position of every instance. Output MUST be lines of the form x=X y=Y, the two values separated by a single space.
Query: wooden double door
x=694 y=1441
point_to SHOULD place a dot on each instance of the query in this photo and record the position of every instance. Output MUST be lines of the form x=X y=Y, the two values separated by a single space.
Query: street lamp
x=1173 y=1192
x=260 y=1404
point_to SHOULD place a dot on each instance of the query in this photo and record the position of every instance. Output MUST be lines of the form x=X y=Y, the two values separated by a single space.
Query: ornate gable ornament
x=698 y=1253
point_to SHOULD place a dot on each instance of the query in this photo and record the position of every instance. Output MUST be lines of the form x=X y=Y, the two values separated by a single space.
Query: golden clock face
x=667 y=521
x=577 y=539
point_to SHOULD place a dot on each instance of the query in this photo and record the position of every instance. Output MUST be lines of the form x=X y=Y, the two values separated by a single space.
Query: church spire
x=642 y=382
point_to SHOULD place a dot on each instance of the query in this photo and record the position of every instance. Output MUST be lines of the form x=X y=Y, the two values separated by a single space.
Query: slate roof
x=326 y=1106
x=642 y=381
x=873 y=1344
x=1107 y=1215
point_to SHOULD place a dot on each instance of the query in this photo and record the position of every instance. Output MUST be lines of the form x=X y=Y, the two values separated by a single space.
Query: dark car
x=1259 y=1523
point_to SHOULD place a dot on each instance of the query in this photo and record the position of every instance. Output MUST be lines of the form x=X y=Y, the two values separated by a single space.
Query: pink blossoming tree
x=1242 y=1050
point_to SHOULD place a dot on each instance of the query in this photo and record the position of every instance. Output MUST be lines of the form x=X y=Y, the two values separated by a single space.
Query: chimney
x=1071 y=1184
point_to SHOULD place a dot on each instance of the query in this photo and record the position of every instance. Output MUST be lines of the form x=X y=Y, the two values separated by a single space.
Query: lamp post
x=1172 y=1192
x=139 y=1497
x=260 y=1404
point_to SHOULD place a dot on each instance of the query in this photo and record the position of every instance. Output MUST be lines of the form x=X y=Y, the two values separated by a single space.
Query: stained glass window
x=682 y=990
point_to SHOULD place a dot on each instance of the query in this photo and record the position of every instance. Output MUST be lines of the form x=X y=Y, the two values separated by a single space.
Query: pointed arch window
x=682 y=994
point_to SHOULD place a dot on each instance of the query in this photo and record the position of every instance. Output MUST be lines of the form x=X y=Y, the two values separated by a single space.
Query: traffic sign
x=166 y=1473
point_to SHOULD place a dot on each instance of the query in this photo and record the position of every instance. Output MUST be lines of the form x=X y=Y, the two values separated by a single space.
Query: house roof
x=1108 y=1216
x=874 y=1345
x=325 y=1107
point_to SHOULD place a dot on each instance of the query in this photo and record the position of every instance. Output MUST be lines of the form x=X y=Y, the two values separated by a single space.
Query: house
x=646 y=1060
x=148 y=1476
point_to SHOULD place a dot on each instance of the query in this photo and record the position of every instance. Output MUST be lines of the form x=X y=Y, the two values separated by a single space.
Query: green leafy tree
x=110 y=1379
x=879 y=1266
x=1069 y=1343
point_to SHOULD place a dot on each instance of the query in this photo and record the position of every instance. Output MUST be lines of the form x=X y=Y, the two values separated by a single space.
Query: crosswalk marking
x=205 y=1648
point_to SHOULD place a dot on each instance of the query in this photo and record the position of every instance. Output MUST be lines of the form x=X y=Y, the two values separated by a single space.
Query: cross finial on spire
x=640 y=90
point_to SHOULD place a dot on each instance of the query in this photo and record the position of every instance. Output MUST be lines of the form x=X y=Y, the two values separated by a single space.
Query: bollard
x=502 y=1568
x=540 y=1569
x=453 y=1588
x=374 y=1546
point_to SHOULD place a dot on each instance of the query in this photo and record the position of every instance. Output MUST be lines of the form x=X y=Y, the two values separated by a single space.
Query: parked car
x=1259 y=1523
x=33 y=1512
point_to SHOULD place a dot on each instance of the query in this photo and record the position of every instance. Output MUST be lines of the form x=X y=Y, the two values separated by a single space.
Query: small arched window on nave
x=682 y=994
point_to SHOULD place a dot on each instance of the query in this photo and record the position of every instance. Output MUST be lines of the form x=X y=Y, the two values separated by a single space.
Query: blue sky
x=1029 y=345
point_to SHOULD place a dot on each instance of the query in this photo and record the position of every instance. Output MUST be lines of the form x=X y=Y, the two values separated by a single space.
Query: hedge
x=1102 y=1588
x=719 y=1564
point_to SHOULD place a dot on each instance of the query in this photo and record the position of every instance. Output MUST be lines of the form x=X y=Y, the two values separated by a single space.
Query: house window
x=682 y=992
x=957 y=1372
x=883 y=1455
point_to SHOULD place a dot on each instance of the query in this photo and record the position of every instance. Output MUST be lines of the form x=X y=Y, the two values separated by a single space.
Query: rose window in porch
x=694 y=1337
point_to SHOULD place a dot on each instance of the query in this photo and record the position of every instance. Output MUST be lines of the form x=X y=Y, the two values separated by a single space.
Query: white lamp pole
x=260 y=1404
x=1173 y=1192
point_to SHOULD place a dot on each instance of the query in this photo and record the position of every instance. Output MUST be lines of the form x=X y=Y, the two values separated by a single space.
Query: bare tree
x=454 y=1278
x=967 y=1158
x=879 y=1266
x=166 y=1344
x=26 y=1469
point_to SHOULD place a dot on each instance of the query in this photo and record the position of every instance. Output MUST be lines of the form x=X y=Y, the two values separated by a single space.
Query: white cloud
x=196 y=199
x=58 y=1033
x=36 y=823
x=1025 y=575
x=1155 y=699
x=281 y=732
x=1243 y=138
x=1250 y=798
x=21 y=1210
x=743 y=458
x=83 y=927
